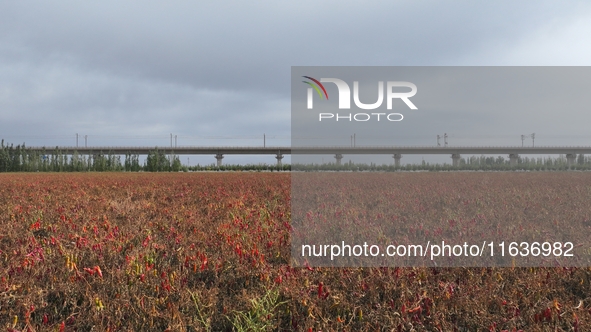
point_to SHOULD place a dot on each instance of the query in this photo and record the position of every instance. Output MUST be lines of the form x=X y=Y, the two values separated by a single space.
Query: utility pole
x=445 y=139
x=175 y=141
x=522 y=139
x=438 y=138
x=533 y=139
x=76 y=139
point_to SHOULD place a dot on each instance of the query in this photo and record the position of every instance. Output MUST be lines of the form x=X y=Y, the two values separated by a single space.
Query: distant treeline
x=20 y=159
x=559 y=163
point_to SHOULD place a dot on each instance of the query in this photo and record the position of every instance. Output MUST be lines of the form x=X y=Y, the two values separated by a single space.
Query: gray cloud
x=222 y=69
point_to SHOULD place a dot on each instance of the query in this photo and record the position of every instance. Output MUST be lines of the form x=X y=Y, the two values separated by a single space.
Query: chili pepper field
x=211 y=252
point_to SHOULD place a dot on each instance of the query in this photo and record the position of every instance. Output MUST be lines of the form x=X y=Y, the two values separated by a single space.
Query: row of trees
x=157 y=161
x=248 y=167
x=552 y=162
x=432 y=167
x=20 y=159
x=472 y=163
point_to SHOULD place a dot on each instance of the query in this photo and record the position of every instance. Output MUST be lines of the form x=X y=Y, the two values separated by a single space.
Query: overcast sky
x=218 y=73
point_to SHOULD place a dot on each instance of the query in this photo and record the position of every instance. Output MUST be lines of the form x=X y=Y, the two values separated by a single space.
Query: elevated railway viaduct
x=338 y=152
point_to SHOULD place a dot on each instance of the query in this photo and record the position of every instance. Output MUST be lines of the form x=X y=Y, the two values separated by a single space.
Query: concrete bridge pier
x=455 y=158
x=513 y=157
x=397 y=157
x=570 y=159
x=338 y=157
x=219 y=158
x=279 y=156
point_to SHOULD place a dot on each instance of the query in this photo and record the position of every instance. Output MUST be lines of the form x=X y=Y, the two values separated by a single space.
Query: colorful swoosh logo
x=316 y=86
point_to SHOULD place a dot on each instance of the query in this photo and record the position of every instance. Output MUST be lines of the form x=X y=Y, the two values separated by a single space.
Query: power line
x=274 y=137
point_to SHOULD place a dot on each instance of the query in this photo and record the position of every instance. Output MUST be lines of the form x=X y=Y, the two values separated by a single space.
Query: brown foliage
x=190 y=252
